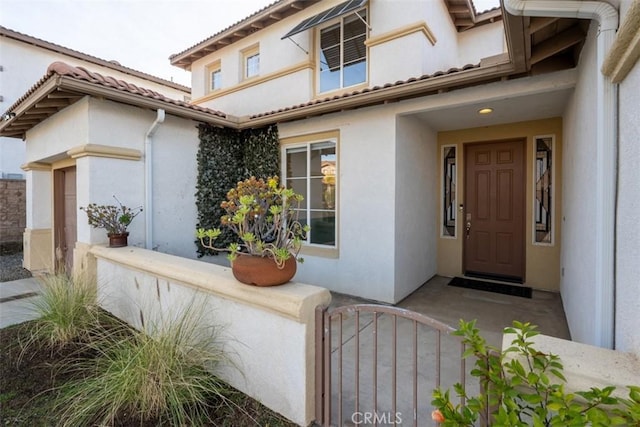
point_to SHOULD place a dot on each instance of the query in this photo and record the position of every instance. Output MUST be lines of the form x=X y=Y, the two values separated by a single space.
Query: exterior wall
x=363 y=263
x=12 y=212
x=23 y=65
x=259 y=327
x=398 y=35
x=542 y=270
x=415 y=206
x=97 y=123
x=578 y=256
x=628 y=229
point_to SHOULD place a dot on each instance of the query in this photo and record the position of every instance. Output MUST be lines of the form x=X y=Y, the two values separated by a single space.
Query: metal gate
x=378 y=365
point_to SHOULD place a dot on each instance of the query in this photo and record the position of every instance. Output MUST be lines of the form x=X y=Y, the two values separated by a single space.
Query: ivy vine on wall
x=226 y=156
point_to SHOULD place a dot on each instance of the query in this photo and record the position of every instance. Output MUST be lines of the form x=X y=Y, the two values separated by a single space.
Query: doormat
x=481 y=285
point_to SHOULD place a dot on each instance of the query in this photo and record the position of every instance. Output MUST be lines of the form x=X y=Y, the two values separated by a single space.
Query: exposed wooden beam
x=552 y=46
x=538 y=23
x=459 y=8
x=257 y=25
x=296 y=6
x=53 y=103
x=42 y=111
x=276 y=16
x=464 y=22
x=240 y=33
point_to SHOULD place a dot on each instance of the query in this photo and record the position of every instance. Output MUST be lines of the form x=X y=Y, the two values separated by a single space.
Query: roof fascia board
x=385 y=94
x=113 y=94
x=38 y=95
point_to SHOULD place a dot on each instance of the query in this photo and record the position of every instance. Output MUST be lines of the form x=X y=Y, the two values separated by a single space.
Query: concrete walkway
x=16 y=298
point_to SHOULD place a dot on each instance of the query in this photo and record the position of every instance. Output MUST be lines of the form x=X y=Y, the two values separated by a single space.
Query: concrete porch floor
x=493 y=311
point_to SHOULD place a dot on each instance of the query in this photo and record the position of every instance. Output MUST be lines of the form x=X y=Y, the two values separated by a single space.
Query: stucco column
x=37 y=238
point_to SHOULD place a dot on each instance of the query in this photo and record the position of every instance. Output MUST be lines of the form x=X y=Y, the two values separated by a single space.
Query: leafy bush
x=225 y=157
x=523 y=386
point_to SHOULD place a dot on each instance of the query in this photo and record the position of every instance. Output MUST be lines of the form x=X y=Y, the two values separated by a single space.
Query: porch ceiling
x=508 y=110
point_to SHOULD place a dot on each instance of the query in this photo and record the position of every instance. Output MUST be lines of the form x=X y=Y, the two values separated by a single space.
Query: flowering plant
x=114 y=219
x=264 y=215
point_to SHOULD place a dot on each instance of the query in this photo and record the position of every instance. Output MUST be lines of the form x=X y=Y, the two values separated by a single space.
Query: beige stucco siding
x=542 y=269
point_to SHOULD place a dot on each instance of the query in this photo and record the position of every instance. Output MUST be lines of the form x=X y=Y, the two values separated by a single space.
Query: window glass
x=311 y=171
x=252 y=65
x=343 y=54
x=216 y=76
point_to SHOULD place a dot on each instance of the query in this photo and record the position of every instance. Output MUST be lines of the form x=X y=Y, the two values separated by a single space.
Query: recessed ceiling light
x=485 y=111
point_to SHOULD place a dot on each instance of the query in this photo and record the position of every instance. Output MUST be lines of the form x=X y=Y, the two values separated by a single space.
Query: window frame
x=308 y=247
x=552 y=190
x=318 y=47
x=215 y=67
x=246 y=54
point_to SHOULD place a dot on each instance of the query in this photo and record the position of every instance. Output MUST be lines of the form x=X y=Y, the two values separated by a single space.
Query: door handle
x=467 y=228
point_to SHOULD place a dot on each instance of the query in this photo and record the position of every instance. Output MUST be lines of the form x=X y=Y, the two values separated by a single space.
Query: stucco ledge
x=586 y=366
x=293 y=300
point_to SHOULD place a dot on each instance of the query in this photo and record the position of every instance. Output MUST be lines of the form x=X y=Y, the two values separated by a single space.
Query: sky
x=139 y=34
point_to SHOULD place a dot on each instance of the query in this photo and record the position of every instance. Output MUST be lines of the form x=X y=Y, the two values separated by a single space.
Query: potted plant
x=264 y=216
x=113 y=218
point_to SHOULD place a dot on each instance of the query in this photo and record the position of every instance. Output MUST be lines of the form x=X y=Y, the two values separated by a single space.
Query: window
x=214 y=72
x=343 y=54
x=251 y=62
x=543 y=197
x=449 y=191
x=311 y=170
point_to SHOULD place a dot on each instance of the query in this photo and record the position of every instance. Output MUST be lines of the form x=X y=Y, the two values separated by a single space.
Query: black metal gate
x=378 y=365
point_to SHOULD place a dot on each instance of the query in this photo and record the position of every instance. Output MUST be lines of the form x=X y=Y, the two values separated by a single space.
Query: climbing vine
x=226 y=156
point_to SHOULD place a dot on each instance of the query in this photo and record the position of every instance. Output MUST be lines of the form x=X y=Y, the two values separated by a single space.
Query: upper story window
x=310 y=169
x=215 y=76
x=343 y=54
x=251 y=62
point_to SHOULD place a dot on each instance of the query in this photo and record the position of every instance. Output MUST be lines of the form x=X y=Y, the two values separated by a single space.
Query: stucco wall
x=364 y=264
x=415 y=205
x=628 y=228
x=578 y=205
x=542 y=269
x=395 y=38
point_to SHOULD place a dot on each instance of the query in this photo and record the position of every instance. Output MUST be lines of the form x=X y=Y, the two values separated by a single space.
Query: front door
x=65 y=212
x=494 y=207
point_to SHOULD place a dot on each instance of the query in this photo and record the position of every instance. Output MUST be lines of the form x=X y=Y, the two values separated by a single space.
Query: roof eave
x=384 y=95
x=261 y=19
x=19 y=124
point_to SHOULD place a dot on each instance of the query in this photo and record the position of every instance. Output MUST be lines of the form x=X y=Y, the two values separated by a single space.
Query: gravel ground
x=11 y=268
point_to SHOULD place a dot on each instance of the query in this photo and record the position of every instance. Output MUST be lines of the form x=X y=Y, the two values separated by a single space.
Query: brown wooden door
x=65 y=218
x=493 y=221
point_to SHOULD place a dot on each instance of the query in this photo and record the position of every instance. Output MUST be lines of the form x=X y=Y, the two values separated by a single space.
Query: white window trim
x=319 y=51
x=554 y=178
x=212 y=68
x=245 y=54
x=283 y=174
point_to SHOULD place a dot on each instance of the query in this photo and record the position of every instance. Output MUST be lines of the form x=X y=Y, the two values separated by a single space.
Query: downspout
x=606 y=148
x=148 y=178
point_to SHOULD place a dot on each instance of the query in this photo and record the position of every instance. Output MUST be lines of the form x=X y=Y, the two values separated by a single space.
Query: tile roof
x=25 y=38
x=81 y=73
x=64 y=84
x=367 y=90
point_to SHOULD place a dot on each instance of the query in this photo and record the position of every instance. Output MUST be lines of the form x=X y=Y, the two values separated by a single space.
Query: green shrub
x=161 y=374
x=66 y=310
x=522 y=386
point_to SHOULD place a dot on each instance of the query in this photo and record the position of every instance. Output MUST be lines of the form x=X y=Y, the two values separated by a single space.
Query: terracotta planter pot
x=118 y=240
x=259 y=271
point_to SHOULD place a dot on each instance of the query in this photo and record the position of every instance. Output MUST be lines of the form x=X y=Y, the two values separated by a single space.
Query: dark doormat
x=516 y=291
